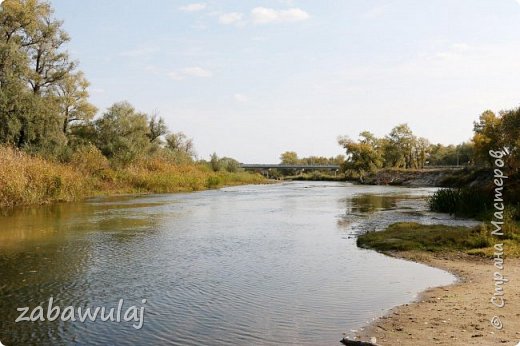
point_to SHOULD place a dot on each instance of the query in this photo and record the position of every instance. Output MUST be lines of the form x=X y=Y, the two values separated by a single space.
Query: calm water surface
x=266 y=265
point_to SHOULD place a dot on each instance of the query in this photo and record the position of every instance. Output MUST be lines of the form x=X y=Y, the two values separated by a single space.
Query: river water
x=250 y=265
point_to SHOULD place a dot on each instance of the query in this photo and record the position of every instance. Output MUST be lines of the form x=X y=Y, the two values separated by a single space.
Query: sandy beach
x=458 y=314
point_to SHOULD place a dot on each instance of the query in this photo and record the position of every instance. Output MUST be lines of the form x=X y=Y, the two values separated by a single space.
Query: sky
x=252 y=79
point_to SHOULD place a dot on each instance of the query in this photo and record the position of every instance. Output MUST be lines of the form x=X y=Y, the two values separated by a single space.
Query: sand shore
x=458 y=314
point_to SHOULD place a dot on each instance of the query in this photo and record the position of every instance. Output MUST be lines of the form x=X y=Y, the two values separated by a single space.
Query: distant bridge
x=281 y=166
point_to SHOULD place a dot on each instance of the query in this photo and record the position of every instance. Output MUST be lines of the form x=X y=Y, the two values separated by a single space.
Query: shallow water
x=268 y=265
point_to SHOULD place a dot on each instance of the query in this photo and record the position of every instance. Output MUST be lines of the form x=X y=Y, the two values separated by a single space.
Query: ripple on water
x=264 y=265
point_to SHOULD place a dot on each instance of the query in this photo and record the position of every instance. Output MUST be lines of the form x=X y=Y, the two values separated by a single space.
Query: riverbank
x=438 y=177
x=32 y=180
x=458 y=314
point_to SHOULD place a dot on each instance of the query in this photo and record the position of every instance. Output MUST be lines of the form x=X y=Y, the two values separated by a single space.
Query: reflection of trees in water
x=359 y=207
x=371 y=203
x=62 y=251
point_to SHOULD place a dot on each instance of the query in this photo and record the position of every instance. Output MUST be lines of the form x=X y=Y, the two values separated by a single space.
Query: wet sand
x=458 y=314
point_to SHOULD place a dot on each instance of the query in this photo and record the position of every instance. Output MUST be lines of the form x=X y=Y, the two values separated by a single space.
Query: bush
x=212 y=182
x=89 y=160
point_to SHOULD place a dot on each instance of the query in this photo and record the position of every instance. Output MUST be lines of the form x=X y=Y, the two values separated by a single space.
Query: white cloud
x=190 y=72
x=196 y=72
x=263 y=15
x=230 y=18
x=241 y=98
x=518 y=1
x=193 y=7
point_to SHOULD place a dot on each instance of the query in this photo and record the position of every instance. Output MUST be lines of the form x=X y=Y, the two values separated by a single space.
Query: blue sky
x=251 y=79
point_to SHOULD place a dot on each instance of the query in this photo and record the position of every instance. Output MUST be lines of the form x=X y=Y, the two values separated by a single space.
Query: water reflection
x=245 y=265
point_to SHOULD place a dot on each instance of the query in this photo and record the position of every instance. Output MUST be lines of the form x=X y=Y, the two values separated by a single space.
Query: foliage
x=40 y=90
x=494 y=132
x=122 y=133
x=226 y=164
x=181 y=145
x=451 y=155
x=90 y=161
x=364 y=156
x=229 y=164
x=399 y=149
x=289 y=158
x=214 y=162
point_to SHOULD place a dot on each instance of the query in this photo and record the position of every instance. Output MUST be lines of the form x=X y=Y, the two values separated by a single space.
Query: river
x=250 y=265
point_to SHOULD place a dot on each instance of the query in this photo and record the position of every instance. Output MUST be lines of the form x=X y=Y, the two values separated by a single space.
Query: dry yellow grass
x=26 y=179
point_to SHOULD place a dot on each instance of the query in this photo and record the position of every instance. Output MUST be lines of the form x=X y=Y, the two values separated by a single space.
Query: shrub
x=89 y=160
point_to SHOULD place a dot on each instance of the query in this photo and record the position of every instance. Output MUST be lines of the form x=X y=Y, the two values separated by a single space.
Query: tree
x=488 y=136
x=399 y=147
x=229 y=164
x=510 y=128
x=178 y=142
x=49 y=64
x=157 y=127
x=363 y=156
x=338 y=160
x=122 y=133
x=73 y=99
x=421 y=151
x=36 y=77
x=289 y=158
x=214 y=162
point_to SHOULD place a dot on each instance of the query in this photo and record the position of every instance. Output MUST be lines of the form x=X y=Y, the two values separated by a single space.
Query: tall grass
x=26 y=179
x=469 y=202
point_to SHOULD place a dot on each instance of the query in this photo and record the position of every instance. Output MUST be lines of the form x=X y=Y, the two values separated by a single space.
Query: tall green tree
x=36 y=75
x=362 y=156
x=122 y=133
x=399 y=147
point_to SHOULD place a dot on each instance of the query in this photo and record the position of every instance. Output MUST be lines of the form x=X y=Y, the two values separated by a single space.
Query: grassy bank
x=409 y=236
x=29 y=180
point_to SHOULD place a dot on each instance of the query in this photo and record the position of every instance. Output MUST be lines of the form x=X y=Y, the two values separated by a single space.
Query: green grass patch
x=406 y=236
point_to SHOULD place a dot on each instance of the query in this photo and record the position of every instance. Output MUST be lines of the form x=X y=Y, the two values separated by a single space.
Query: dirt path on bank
x=459 y=314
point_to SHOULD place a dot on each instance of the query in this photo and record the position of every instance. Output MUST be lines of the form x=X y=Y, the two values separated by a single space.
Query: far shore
x=457 y=314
